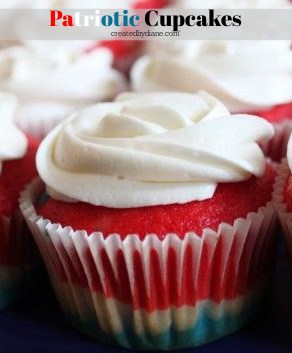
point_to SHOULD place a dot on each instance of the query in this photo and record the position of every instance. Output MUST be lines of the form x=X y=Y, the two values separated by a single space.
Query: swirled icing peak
x=151 y=149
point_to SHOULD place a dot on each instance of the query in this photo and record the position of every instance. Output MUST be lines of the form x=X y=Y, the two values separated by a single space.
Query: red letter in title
x=68 y=21
x=55 y=16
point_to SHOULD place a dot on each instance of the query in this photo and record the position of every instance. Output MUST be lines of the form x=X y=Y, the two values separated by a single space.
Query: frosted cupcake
x=154 y=219
x=53 y=79
x=17 y=168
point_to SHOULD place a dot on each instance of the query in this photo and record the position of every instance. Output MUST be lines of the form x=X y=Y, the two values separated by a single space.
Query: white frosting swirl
x=232 y=4
x=53 y=79
x=151 y=149
x=13 y=142
x=244 y=75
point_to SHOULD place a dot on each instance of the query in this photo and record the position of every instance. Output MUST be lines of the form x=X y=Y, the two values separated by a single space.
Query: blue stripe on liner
x=205 y=330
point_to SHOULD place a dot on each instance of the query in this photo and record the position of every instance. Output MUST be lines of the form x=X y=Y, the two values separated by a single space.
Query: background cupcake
x=17 y=167
x=124 y=52
x=248 y=76
x=52 y=79
x=283 y=198
x=140 y=225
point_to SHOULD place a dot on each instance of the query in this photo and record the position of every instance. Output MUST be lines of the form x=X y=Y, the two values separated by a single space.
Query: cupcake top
x=245 y=75
x=52 y=79
x=231 y=4
x=150 y=149
x=13 y=143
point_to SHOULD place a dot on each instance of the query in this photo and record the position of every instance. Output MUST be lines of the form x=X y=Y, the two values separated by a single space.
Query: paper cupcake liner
x=18 y=257
x=285 y=216
x=276 y=148
x=152 y=293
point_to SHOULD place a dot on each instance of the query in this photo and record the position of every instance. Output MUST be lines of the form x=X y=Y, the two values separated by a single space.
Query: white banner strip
x=123 y=24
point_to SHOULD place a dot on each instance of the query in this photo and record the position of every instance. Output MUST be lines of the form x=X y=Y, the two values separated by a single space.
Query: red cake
x=17 y=247
x=125 y=52
x=231 y=201
x=15 y=174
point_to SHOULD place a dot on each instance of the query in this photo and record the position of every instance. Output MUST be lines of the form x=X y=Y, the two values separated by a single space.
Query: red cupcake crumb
x=15 y=174
x=230 y=201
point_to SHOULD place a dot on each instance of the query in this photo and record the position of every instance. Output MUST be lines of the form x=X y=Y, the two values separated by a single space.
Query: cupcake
x=17 y=168
x=282 y=198
x=52 y=79
x=253 y=77
x=154 y=220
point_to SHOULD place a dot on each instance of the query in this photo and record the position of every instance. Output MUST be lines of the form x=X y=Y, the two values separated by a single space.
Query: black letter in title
x=147 y=18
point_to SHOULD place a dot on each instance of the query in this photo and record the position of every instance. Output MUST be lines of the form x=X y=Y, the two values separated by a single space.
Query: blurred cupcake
x=282 y=198
x=254 y=77
x=227 y=70
x=154 y=218
x=124 y=52
x=53 y=79
x=17 y=167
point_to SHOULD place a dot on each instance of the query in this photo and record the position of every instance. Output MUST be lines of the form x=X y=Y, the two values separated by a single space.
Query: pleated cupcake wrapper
x=136 y=288
x=276 y=148
x=18 y=257
x=285 y=216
